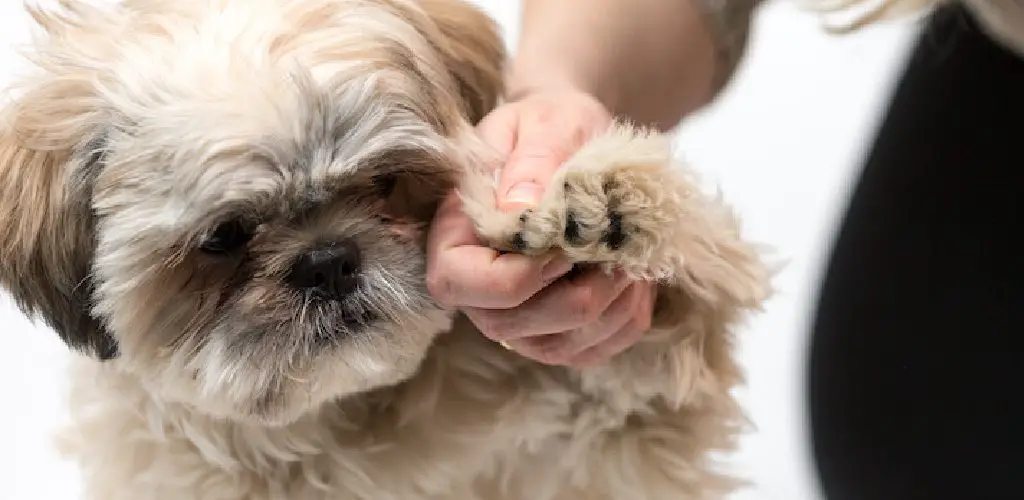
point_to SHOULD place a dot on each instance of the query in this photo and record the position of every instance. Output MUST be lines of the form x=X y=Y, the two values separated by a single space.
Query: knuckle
x=584 y=305
x=495 y=327
x=440 y=287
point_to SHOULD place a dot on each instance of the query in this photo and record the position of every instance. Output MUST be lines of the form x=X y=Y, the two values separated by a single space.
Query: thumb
x=533 y=162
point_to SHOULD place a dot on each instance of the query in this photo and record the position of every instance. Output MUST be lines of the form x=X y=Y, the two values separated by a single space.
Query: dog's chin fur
x=150 y=125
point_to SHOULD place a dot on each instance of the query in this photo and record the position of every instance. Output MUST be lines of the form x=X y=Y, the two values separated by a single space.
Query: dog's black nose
x=330 y=269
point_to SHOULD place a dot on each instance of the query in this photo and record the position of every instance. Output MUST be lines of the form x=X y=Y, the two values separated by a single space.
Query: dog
x=220 y=205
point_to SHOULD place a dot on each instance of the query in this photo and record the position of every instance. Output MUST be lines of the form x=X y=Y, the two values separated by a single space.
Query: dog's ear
x=471 y=46
x=50 y=145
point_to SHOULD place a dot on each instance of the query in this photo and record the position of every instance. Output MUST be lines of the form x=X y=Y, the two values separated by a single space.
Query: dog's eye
x=226 y=238
x=385 y=184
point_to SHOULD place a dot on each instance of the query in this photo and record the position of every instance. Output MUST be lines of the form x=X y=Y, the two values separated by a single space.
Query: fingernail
x=526 y=193
x=555 y=269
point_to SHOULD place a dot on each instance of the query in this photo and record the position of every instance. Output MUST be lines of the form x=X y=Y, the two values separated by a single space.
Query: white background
x=784 y=142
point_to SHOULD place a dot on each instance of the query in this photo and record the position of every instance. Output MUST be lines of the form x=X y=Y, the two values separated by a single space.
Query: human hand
x=518 y=300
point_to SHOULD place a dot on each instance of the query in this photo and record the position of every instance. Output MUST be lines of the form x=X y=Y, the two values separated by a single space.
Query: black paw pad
x=614 y=236
x=518 y=242
x=572 y=230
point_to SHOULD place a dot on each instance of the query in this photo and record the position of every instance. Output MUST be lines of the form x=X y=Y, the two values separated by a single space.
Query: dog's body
x=177 y=173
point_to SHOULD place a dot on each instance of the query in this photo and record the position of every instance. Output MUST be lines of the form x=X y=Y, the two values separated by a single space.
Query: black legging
x=916 y=372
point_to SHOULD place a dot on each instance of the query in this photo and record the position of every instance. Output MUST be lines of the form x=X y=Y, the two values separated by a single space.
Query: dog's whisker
x=306 y=297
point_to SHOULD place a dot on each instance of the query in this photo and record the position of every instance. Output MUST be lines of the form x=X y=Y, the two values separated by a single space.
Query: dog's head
x=227 y=197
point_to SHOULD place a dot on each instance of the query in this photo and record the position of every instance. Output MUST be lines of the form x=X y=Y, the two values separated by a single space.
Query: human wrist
x=653 y=63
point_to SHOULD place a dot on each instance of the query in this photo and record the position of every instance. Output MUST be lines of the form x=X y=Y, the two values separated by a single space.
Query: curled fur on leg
x=623 y=201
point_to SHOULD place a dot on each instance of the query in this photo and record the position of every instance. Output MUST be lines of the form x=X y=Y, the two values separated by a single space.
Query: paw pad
x=584 y=217
x=614 y=236
x=613 y=204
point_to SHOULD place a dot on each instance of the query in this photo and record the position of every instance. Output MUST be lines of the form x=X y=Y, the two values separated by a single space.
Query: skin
x=576 y=66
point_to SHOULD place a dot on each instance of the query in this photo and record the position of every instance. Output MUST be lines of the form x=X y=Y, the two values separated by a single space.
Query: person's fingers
x=461 y=272
x=615 y=344
x=498 y=129
x=451 y=227
x=562 y=306
x=618 y=314
x=562 y=348
x=476 y=277
x=546 y=137
x=624 y=338
x=534 y=347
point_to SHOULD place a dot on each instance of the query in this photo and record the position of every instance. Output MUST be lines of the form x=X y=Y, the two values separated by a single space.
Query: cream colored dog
x=220 y=203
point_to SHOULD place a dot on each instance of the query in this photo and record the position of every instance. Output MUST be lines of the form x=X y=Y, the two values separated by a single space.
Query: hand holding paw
x=518 y=299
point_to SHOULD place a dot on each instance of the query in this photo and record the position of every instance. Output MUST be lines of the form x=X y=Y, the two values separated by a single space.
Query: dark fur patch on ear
x=66 y=312
x=52 y=141
x=48 y=244
x=63 y=304
x=88 y=331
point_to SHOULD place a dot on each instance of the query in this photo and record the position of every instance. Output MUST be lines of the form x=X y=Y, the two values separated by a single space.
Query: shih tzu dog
x=220 y=204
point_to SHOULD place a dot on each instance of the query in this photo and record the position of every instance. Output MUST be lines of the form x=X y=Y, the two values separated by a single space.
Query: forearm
x=653 y=61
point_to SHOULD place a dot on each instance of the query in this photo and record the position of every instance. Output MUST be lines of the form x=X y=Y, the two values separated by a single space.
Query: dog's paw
x=624 y=202
x=619 y=202
x=593 y=215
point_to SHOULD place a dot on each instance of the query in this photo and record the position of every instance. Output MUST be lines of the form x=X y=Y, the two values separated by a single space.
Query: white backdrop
x=783 y=143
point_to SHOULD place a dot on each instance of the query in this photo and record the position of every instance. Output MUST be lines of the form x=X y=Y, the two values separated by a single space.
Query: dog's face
x=228 y=197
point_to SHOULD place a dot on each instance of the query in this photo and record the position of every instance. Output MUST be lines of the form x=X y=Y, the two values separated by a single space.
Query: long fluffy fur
x=149 y=122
